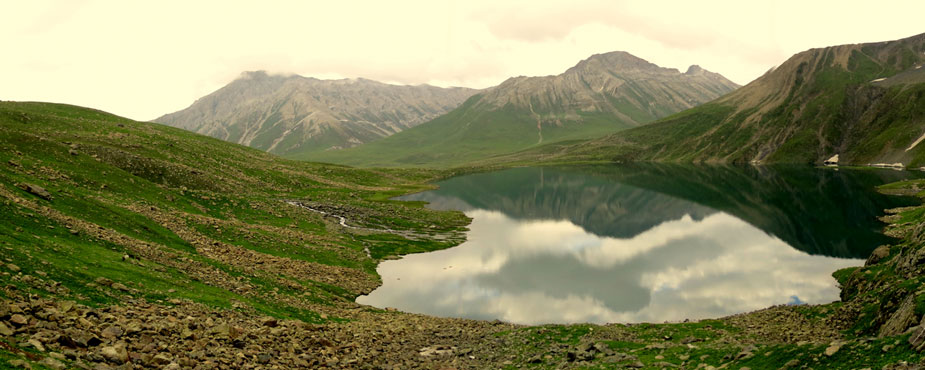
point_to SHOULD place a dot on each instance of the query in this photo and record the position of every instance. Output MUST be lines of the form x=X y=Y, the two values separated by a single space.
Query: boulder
x=36 y=190
x=878 y=255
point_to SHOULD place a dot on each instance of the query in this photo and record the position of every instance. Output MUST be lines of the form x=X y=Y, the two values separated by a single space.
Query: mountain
x=601 y=94
x=294 y=114
x=862 y=102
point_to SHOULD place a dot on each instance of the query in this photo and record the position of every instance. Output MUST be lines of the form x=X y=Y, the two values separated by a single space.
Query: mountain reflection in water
x=640 y=243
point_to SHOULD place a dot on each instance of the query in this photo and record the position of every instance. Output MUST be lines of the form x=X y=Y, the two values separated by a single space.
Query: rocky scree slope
x=862 y=102
x=294 y=114
x=127 y=245
x=600 y=95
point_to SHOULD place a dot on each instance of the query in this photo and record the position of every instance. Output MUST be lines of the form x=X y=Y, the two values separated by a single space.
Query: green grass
x=470 y=133
x=107 y=173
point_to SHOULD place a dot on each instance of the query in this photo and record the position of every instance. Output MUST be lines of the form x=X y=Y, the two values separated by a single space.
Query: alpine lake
x=642 y=242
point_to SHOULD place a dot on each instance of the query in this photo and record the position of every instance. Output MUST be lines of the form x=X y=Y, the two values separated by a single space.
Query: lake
x=641 y=242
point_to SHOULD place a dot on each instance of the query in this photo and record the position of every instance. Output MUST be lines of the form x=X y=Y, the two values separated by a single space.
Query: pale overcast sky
x=142 y=59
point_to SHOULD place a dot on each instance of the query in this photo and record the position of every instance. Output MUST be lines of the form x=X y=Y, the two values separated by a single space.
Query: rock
x=5 y=331
x=917 y=339
x=435 y=351
x=86 y=340
x=263 y=358
x=38 y=345
x=53 y=363
x=878 y=255
x=119 y=286
x=902 y=319
x=112 y=332
x=746 y=352
x=36 y=190
x=833 y=348
x=65 y=306
x=116 y=354
x=12 y=267
x=19 y=320
x=103 y=281
x=792 y=363
x=161 y=359
x=887 y=348
x=269 y=321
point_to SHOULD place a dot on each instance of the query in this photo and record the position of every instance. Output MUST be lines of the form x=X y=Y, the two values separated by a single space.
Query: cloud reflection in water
x=553 y=271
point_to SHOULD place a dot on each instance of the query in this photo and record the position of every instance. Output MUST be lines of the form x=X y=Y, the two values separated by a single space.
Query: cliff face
x=291 y=114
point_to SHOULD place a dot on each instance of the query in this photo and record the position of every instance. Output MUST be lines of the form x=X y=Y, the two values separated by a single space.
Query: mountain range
x=600 y=95
x=285 y=114
x=856 y=104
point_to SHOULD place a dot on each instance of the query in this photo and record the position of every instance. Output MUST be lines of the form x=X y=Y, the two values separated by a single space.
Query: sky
x=143 y=59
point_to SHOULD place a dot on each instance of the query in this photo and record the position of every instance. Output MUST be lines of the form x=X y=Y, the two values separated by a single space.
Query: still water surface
x=641 y=243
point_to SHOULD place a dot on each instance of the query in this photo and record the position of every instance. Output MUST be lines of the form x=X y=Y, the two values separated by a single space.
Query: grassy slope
x=202 y=220
x=465 y=135
x=112 y=173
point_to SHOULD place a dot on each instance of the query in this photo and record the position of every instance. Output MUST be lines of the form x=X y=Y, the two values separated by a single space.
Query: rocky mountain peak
x=694 y=70
x=615 y=60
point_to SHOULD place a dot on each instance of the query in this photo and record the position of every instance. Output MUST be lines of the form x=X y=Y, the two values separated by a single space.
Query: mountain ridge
x=863 y=102
x=289 y=113
x=600 y=94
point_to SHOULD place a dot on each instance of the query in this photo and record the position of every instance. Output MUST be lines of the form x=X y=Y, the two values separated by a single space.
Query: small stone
x=103 y=281
x=12 y=267
x=833 y=348
x=263 y=358
x=65 y=306
x=53 y=363
x=112 y=332
x=120 y=286
x=269 y=321
x=4 y=330
x=38 y=345
x=116 y=354
x=161 y=359
x=887 y=348
x=792 y=363
x=19 y=320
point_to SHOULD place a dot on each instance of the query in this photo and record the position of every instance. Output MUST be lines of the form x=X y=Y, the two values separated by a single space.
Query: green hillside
x=466 y=135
